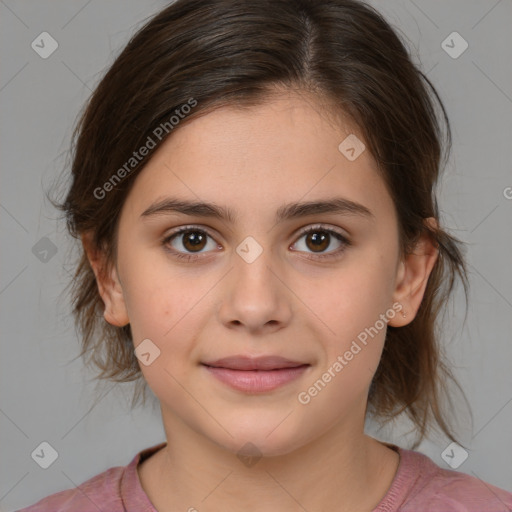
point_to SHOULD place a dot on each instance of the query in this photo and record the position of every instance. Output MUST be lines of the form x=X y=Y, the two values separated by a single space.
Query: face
x=313 y=285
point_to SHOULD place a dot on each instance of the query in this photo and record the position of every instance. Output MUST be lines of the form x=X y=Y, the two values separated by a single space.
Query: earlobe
x=412 y=277
x=109 y=286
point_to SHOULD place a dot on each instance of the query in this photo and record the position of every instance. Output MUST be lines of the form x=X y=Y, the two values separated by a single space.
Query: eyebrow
x=289 y=211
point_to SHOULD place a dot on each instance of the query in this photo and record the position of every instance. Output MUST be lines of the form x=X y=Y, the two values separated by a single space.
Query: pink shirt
x=419 y=485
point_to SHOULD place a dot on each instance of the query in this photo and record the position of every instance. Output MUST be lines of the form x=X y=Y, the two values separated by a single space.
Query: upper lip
x=241 y=362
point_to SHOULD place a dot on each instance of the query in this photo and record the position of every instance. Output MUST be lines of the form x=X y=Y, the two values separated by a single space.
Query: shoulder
x=430 y=487
x=100 y=492
x=115 y=490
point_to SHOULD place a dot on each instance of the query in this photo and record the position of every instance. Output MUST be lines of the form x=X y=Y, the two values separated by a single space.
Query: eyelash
x=313 y=229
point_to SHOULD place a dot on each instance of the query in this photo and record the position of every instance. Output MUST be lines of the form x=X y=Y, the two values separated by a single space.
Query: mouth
x=255 y=375
x=243 y=362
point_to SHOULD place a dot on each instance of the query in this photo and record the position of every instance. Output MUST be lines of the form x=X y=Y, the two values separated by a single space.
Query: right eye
x=187 y=242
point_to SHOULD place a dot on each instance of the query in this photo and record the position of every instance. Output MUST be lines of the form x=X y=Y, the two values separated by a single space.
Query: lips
x=241 y=362
x=254 y=375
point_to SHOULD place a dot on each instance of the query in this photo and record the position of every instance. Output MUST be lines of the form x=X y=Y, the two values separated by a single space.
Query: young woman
x=253 y=185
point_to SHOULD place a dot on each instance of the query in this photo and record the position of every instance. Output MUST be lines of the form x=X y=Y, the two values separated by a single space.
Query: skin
x=253 y=161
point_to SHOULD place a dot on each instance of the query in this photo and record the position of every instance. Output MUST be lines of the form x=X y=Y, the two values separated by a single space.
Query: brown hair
x=211 y=53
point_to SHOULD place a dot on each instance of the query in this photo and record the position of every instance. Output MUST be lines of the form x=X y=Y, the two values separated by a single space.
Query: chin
x=262 y=438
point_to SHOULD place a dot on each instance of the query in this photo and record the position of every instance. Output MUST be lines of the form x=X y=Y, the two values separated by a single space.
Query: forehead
x=282 y=150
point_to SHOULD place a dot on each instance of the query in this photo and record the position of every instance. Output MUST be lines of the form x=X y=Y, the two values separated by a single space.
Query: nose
x=255 y=297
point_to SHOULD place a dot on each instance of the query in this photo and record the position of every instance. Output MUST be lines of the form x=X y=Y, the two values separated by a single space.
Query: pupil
x=319 y=240
x=193 y=239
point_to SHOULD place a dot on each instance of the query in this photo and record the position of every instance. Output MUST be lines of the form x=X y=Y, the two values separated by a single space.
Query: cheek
x=149 y=309
x=164 y=315
x=152 y=295
x=165 y=308
x=353 y=296
x=353 y=306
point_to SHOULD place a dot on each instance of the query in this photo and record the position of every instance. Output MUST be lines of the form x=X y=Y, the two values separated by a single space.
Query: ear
x=109 y=286
x=412 y=277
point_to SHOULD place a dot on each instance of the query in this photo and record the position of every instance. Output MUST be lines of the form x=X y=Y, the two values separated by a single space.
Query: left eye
x=318 y=240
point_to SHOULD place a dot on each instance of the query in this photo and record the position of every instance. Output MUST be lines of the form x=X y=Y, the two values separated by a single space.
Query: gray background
x=46 y=393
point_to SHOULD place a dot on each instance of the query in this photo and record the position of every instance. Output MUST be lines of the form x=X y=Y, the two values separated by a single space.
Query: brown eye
x=318 y=241
x=193 y=240
x=189 y=241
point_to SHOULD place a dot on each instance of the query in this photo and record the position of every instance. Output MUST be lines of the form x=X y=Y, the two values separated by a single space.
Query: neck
x=340 y=470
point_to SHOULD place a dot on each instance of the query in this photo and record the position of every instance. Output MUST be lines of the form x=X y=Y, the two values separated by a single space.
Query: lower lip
x=257 y=381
